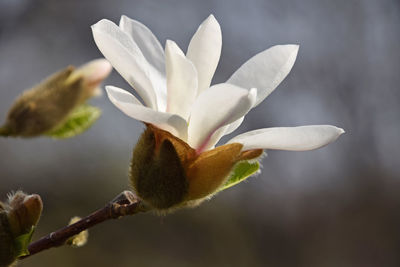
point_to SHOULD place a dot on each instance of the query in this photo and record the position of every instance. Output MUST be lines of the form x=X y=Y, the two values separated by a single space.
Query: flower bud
x=80 y=239
x=167 y=173
x=157 y=173
x=47 y=105
x=24 y=212
x=18 y=217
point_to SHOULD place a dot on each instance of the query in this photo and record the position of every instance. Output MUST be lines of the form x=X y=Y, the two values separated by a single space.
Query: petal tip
x=211 y=17
x=94 y=26
x=212 y=20
x=109 y=89
x=95 y=71
x=289 y=48
x=341 y=131
x=294 y=47
x=172 y=47
x=124 y=19
x=169 y=46
x=336 y=132
x=103 y=64
x=97 y=24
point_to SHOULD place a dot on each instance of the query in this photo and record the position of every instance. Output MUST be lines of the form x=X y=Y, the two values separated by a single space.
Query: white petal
x=159 y=84
x=227 y=129
x=146 y=41
x=289 y=138
x=204 y=51
x=132 y=107
x=181 y=81
x=153 y=52
x=233 y=126
x=216 y=107
x=266 y=70
x=126 y=58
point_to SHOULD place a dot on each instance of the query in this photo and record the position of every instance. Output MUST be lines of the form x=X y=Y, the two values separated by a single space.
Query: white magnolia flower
x=177 y=96
x=176 y=93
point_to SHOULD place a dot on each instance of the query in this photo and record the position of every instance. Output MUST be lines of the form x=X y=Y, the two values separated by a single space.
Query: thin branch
x=126 y=203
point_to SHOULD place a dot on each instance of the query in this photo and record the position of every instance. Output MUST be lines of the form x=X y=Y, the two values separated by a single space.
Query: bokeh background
x=336 y=206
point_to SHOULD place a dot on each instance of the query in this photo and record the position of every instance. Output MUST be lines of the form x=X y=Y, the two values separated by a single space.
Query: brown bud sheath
x=167 y=173
x=157 y=174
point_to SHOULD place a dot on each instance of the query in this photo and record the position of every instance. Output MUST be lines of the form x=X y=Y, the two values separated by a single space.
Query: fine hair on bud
x=18 y=218
x=157 y=174
x=47 y=105
x=42 y=108
x=167 y=173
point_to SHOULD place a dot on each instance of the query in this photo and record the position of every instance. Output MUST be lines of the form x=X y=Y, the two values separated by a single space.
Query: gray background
x=337 y=206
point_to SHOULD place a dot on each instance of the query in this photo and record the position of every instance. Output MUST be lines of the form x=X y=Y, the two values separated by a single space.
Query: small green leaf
x=22 y=242
x=77 y=122
x=242 y=171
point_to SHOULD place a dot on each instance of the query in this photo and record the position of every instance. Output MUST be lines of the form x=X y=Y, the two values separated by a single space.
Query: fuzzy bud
x=18 y=217
x=47 y=105
x=24 y=212
x=167 y=173
x=157 y=173
x=80 y=239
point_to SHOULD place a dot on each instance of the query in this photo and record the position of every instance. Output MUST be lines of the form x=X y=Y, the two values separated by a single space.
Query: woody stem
x=126 y=203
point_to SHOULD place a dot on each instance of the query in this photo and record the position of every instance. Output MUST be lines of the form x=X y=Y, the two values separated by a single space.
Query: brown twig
x=126 y=203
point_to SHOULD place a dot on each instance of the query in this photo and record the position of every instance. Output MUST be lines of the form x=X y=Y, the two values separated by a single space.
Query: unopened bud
x=24 y=212
x=157 y=173
x=18 y=218
x=167 y=173
x=47 y=105
x=80 y=239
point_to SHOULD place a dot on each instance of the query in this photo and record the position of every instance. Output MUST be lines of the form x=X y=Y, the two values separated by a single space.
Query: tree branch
x=126 y=203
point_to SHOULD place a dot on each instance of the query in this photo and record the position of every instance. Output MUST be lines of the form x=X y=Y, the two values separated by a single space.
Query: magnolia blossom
x=177 y=95
x=176 y=92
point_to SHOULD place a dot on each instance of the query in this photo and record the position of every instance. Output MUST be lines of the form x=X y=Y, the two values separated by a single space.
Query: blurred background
x=336 y=206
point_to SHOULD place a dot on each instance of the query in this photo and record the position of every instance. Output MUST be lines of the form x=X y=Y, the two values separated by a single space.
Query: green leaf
x=242 y=171
x=22 y=242
x=77 y=122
